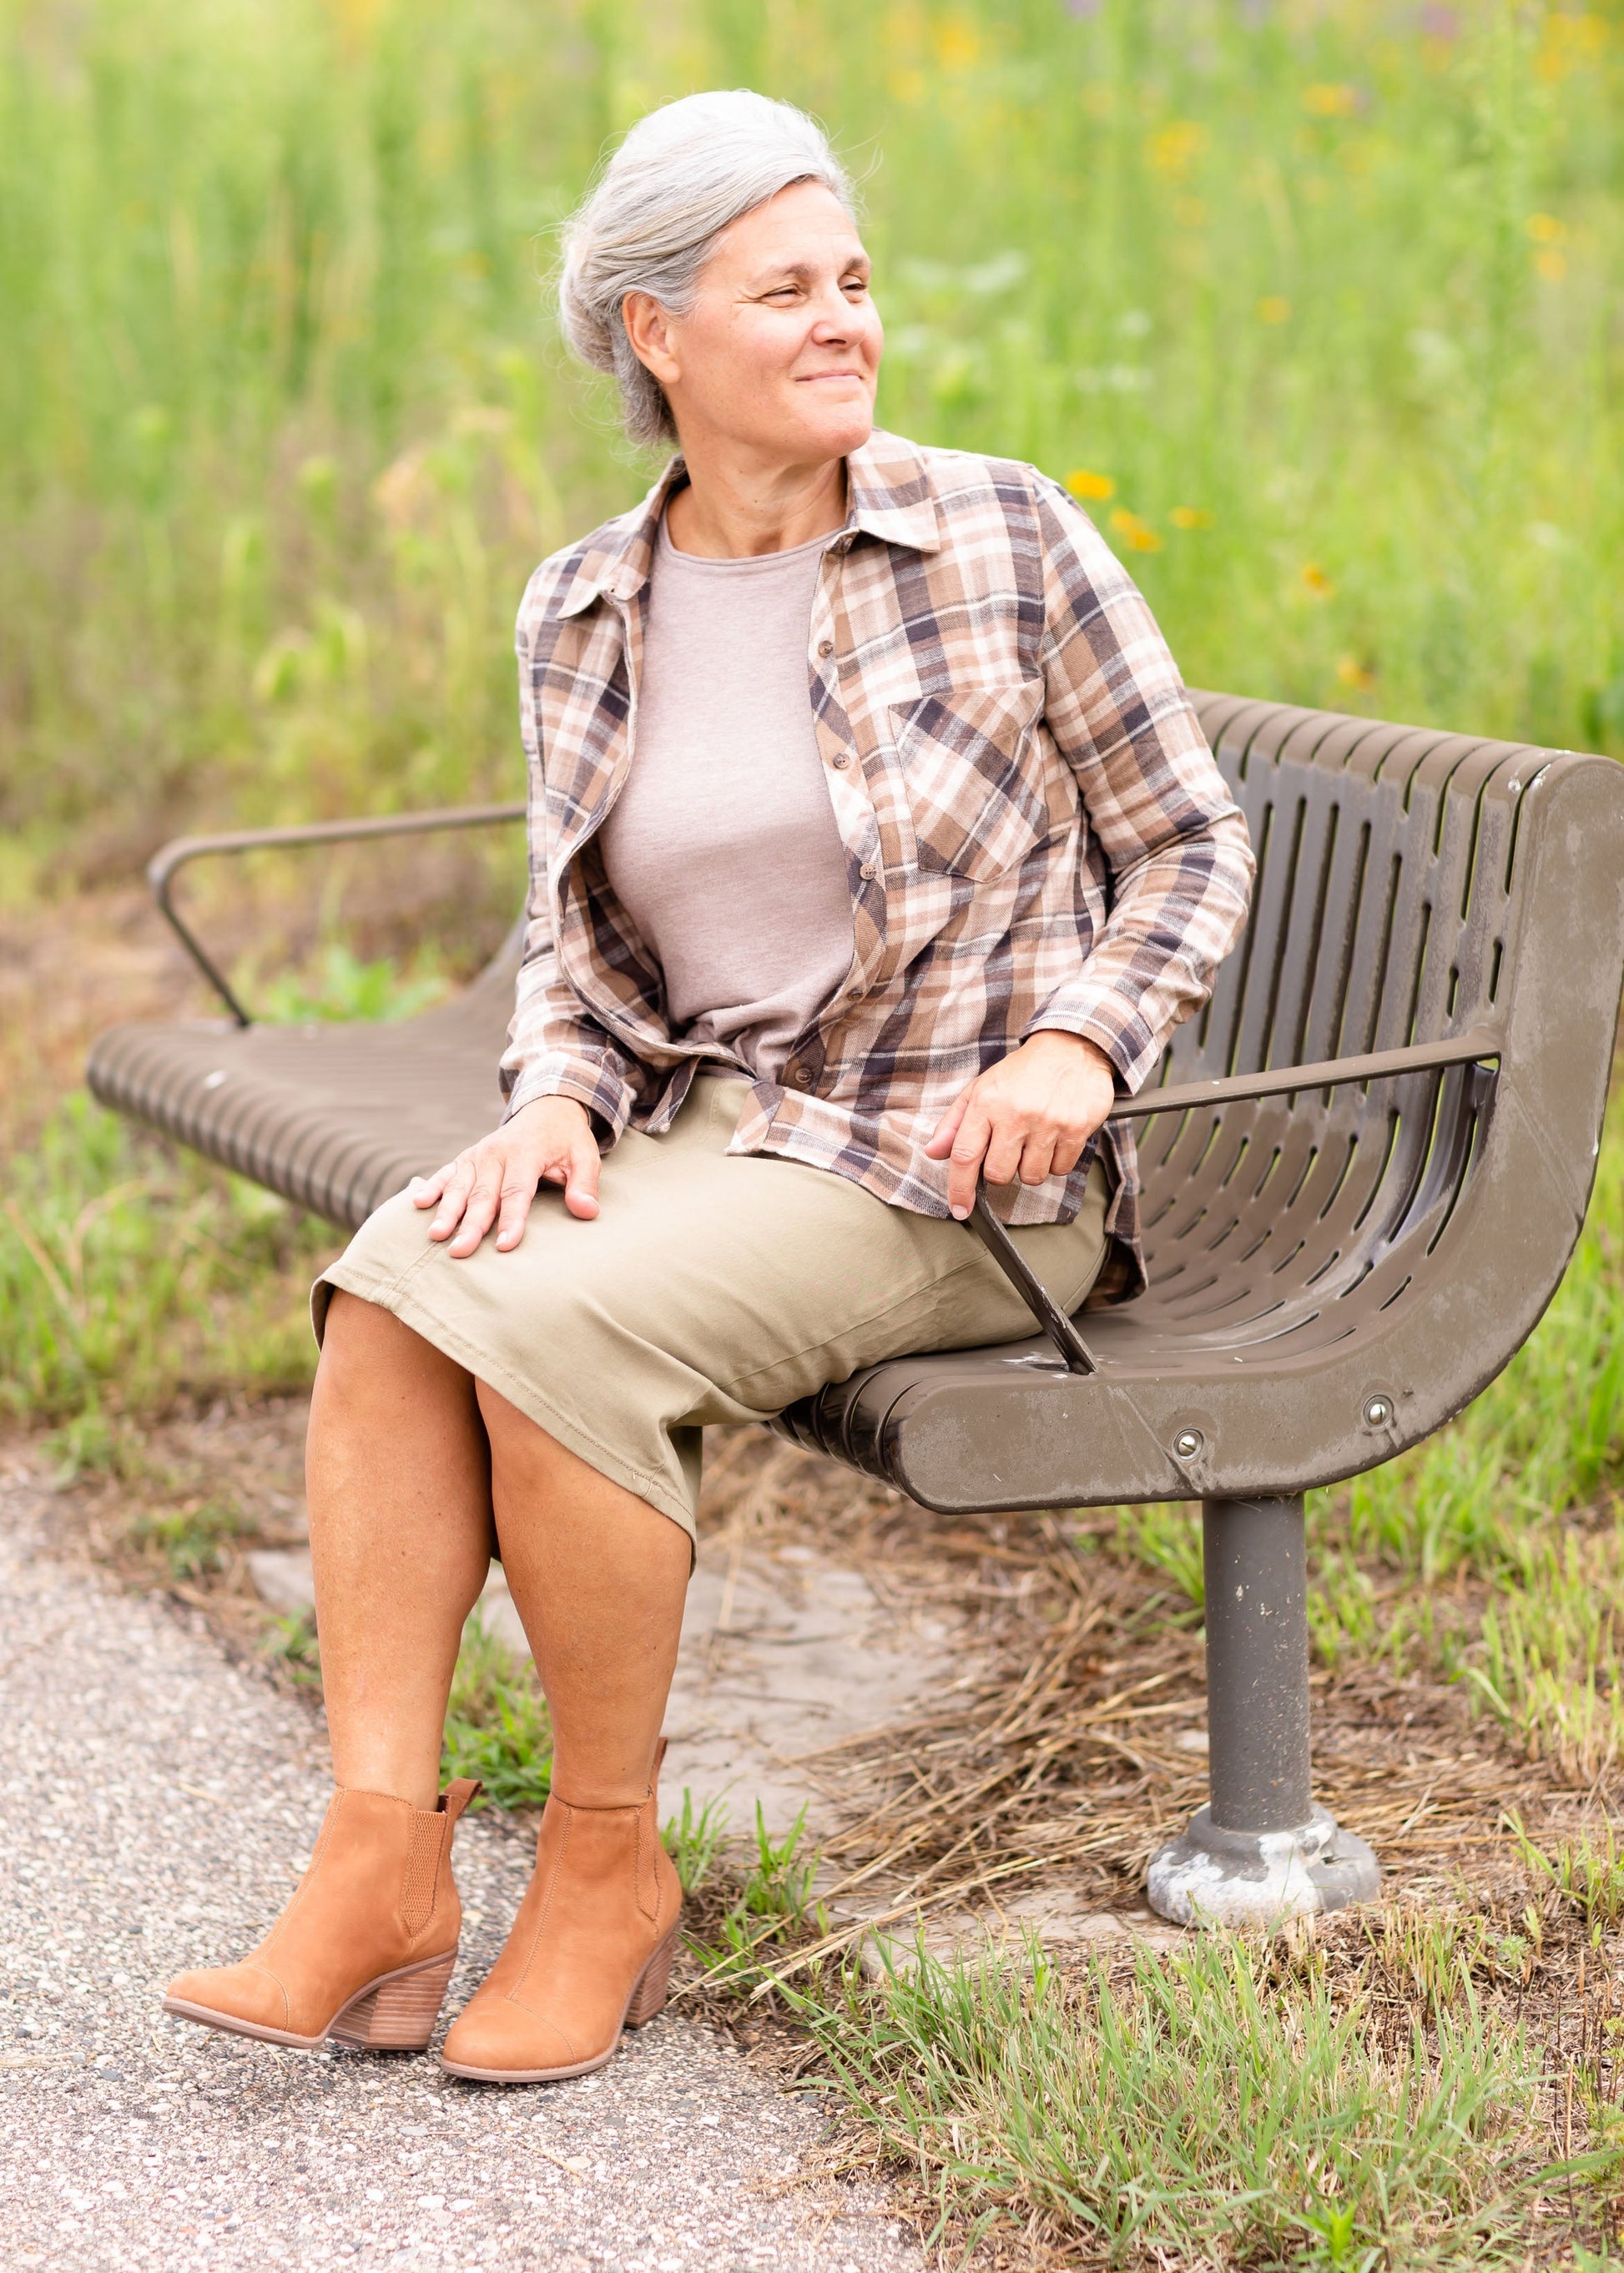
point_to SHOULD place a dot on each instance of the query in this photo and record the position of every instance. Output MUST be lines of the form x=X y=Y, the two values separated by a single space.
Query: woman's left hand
x=1030 y=1115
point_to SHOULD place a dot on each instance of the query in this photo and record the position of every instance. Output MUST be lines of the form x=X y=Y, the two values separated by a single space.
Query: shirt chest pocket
x=973 y=771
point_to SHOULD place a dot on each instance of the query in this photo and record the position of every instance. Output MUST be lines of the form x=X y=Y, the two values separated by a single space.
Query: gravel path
x=154 y=1806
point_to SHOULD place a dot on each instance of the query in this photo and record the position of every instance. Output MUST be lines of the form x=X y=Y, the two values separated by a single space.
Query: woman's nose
x=834 y=320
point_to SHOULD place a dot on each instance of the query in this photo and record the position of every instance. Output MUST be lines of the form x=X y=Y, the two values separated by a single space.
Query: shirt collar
x=889 y=497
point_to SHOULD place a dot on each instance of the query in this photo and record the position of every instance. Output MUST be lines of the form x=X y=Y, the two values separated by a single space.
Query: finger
x=941 y=1143
x=518 y=1190
x=581 y=1184
x=460 y=1182
x=480 y=1212
x=1005 y=1147
x=969 y=1147
x=1068 y=1148
x=426 y=1189
x=1037 y=1158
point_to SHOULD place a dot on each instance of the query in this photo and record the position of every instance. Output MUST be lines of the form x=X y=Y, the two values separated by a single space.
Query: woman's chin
x=827 y=430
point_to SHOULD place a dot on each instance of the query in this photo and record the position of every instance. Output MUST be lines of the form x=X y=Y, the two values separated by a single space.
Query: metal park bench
x=1366 y=1166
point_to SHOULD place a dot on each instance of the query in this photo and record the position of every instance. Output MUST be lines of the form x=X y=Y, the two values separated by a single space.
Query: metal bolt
x=1377 y=1413
x=1187 y=1443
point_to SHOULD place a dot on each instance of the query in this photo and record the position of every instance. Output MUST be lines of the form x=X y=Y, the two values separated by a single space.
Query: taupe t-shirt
x=722 y=845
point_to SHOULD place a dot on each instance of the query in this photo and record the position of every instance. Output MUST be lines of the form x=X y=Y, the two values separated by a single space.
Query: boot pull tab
x=457 y=1796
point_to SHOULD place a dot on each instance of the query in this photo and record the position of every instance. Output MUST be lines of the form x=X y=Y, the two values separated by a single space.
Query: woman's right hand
x=550 y=1141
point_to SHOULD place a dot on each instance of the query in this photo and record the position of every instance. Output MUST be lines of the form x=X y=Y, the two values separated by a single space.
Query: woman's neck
x=732 y=511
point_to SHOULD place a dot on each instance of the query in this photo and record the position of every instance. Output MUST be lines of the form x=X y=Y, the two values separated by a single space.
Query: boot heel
x=396 y=2014
x=654 y=1984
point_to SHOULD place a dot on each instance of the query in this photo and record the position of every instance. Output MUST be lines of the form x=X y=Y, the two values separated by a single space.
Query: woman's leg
x=399 y=1481
x=598 y=1577
x=400 y=1535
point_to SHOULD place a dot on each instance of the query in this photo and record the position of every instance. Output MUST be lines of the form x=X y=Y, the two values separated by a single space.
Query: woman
x=875 y=850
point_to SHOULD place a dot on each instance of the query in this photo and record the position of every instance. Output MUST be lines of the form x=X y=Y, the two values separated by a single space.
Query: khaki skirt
x=709 y=1292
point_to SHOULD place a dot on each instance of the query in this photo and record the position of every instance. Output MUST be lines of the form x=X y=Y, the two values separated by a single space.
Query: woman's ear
x=649 y=329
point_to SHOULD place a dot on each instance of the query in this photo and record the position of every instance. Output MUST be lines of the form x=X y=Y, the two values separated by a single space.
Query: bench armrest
x=1469 y=1048
x=166 y=864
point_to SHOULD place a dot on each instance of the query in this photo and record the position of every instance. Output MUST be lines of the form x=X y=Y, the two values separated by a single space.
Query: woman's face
x=781 y=352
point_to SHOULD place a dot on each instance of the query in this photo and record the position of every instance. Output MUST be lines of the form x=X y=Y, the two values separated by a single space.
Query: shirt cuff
x=1111 y=1023
x=605 y=1094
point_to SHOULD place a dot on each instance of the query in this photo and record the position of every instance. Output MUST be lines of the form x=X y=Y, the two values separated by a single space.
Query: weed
x=131 y=1273
x=343 y=987
x=1551 y=1667
x=771 y=1907
x=497 y=1724
x=693 y=1838
x=92 y=1442
x=193 y=1542
x=1586 y=1873
x=1202 y=2110
x=1429 y=1957
x=291 y=1649
x=1169 y=1538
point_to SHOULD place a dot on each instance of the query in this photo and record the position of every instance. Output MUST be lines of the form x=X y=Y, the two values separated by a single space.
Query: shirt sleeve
x=1173 y=839
x=555 y=1047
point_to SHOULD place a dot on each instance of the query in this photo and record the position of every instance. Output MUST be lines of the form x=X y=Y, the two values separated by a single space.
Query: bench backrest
x=1333 y=1273
x=1384 y=914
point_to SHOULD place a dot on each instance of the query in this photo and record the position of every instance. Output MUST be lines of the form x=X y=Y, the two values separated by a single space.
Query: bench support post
x=1260 y=1851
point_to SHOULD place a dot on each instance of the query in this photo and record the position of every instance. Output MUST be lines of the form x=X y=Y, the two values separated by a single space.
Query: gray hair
x=652 y=217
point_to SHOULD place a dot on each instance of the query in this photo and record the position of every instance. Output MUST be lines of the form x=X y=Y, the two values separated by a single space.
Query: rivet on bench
x=1377 y=1413
x=1187 y=1443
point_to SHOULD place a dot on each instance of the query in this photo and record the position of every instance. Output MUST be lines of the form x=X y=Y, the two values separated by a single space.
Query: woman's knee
x=363 y=1346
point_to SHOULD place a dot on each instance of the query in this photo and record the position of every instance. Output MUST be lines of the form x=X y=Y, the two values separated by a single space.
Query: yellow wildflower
x=1137 y=535
x=957 y=47
x=1325 y=100
x=1084 y=484
x=1354 y=673
x=1568 y=42
x=1174 y=148
x=1191 y=516
x=1551 y=266
x=1544 y=228
x=1273 y=308
x=1316 y=580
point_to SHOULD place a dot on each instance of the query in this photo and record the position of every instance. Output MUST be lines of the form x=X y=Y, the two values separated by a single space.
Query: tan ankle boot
x=590 y=1953
x=363 y=1951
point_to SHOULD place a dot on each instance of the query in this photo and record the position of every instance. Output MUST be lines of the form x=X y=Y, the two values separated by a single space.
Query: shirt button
x=866 y=871
x=803 y=1079
x=839 y=759
x=826 y=647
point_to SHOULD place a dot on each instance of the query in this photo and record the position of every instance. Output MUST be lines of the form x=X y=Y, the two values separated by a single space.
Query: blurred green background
x=1321 y=305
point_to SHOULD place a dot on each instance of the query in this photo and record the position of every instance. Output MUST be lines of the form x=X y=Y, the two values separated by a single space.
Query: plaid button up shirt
x=1036 y=835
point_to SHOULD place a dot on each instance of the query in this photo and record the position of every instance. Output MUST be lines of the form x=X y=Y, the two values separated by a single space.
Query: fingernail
x=960 y=1214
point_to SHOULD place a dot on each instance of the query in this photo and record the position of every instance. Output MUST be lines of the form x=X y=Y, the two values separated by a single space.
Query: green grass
x=497 y=1725
x=133 y=1275
x=1373 y=2100
x=1586 y=1873
x=1200 y=2108
x=193 y=1542
x=1319 y=301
